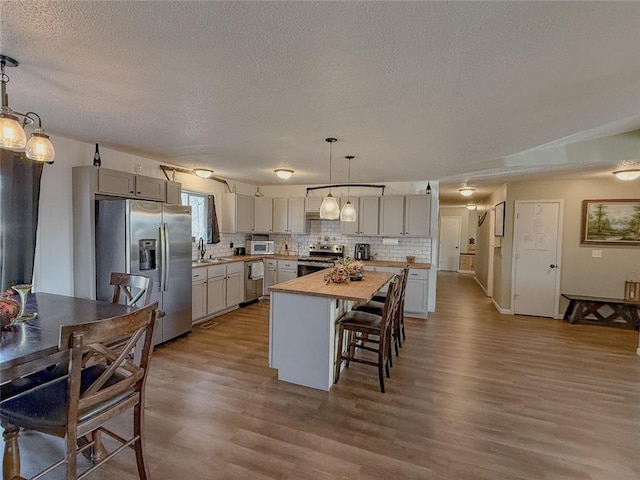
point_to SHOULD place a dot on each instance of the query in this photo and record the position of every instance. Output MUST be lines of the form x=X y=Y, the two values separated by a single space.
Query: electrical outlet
x=596 y=253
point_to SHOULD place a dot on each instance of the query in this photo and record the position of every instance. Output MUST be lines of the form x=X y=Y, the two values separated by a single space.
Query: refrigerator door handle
x=162 y=257
x=167 y=254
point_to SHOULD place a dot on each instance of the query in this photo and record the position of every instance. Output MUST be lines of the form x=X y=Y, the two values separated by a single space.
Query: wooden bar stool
x=360 y=327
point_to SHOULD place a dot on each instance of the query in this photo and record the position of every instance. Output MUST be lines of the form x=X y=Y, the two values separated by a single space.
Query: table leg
x=570 y=313
x=11 y=456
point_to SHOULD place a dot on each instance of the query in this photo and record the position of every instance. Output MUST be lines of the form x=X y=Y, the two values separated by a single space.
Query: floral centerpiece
x=346 y=269
x=9 y=309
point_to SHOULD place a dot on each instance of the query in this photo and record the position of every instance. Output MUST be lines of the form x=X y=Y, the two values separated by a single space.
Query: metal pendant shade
x=329 y=209
x=348 y=212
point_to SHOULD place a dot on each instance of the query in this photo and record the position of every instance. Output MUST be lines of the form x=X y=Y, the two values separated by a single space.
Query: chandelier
x=12 y=123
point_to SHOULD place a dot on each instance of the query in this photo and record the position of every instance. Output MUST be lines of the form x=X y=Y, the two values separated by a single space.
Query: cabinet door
x=174 y=193
x=369 y=215
x=418 y=215
x=280 y=215
x=296 y=219
x=113 y=182
x=284 y=275
x=216 y=294
x=244 y=213
x=351 y=228
x=235 y=289
x=263 y=215
x=270 y=278
x=151 y=188
x=312 y=204
x=392 y=216
x=198 y=300
x=415 y=300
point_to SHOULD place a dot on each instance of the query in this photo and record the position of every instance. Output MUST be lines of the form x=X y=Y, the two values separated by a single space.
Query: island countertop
x=314 y=285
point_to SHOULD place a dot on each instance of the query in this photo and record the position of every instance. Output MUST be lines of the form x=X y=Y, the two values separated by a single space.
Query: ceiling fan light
x=348 y=212
x=284 y=173
x=329 y=209
x=203 y=172
x=627 y=174
x=12 y=136
x=39 y=147
x=471 y=206
x=466 y=191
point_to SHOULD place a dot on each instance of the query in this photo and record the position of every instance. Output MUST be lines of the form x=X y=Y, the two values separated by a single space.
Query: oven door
x=307 y=268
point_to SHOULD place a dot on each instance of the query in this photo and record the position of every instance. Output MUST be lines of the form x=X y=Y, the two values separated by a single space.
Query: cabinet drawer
x=287 y=265
x=420 y=274
x=271 y=263
x=236 y=267
x=198 y=275
x=217 y=271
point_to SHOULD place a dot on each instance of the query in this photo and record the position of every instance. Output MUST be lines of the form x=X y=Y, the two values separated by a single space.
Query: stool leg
x=339 y=355
x=11 y=456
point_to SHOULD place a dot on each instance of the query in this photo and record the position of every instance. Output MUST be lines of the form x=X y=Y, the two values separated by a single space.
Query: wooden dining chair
x=361 y=328
x=136 y=289
x=101 y=384
x=376 y=306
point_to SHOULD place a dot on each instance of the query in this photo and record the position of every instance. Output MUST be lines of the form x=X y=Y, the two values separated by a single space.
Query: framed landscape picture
x=499 y=225
x=610 y=222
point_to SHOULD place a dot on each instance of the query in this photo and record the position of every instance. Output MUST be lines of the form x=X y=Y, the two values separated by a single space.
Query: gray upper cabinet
x=174 y=193
x=392 y=216
x=113 y=182
x=237 y=213
x=128 y=185
x=405 y=216
x=417 y=215
x=367 y=221
x=289 y=215
x=151 y=188
x=263 y=215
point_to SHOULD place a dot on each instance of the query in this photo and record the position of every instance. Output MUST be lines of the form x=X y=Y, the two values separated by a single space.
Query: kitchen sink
x=213 y=260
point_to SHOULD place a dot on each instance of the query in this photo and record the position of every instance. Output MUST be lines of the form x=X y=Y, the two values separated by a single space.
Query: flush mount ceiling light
x=203 y=172
x=466 y=191
x=471 y=206
x=627 y=173
x=12 y=134
x=348 y=212
x=329 y=209
x=284 y=173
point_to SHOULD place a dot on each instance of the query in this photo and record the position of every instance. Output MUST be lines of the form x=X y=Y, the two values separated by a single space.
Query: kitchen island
x=302 y=333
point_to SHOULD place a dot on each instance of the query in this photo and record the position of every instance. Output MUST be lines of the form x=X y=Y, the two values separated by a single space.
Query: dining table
x=30 y=345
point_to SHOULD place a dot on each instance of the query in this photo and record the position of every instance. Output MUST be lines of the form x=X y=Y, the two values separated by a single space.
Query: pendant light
x=348 y=212
x=329 y=209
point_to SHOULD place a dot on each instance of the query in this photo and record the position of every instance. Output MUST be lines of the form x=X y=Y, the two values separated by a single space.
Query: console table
x=602 y=310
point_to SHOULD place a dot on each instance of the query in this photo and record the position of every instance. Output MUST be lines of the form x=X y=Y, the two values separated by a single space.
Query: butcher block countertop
x=314 y=285
x=393 y=264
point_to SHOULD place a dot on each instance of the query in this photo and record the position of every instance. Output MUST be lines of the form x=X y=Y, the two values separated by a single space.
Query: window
x=198 y=203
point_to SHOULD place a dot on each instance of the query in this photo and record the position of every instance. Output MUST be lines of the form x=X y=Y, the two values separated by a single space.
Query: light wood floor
x=474 y=395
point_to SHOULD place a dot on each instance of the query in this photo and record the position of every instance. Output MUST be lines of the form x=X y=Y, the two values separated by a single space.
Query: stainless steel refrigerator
x=152 y=239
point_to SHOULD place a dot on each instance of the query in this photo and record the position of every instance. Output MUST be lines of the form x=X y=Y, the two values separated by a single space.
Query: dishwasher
x=253 y=280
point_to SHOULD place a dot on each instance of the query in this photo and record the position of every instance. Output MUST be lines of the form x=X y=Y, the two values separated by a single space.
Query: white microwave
x=261 y=247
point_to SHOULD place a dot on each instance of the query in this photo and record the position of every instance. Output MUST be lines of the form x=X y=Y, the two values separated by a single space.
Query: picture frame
x=610 y=222
x=499 y=223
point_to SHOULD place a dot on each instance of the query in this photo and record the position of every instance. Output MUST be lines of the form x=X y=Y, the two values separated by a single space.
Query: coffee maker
x=362 y=251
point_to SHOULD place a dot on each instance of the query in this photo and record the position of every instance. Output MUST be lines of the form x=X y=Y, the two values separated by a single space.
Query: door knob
x=552 y=266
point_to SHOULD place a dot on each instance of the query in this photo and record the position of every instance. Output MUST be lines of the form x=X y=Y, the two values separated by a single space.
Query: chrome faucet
x=201 y=248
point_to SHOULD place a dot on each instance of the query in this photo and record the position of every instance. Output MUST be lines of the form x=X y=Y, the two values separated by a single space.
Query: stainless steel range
x=321 y=256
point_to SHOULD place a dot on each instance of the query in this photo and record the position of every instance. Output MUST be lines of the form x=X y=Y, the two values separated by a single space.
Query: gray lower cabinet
x=287 y=270
x=198 y=293
x=270 y=275
x=417 y=294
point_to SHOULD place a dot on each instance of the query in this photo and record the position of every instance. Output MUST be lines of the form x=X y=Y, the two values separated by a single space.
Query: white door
x=536 y=275
x=449 y=243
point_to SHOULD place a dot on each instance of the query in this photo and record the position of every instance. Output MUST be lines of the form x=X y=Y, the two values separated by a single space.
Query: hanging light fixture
x=12 y=134
x=466 y=191
x=284 y=173
x=329 y=209
x=627 y=173
x=471 y=206
x=203 y=172
x=348 y=212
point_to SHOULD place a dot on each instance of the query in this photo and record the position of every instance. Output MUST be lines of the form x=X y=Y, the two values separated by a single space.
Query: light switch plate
x=596 y=253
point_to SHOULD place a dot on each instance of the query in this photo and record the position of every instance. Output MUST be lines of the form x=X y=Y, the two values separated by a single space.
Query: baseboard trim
x=503 y=311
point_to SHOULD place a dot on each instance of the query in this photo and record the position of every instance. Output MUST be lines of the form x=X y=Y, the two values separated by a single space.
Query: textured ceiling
x=415 y=90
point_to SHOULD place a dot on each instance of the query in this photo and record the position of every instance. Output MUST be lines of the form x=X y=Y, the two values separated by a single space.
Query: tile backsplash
x=326 y=231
